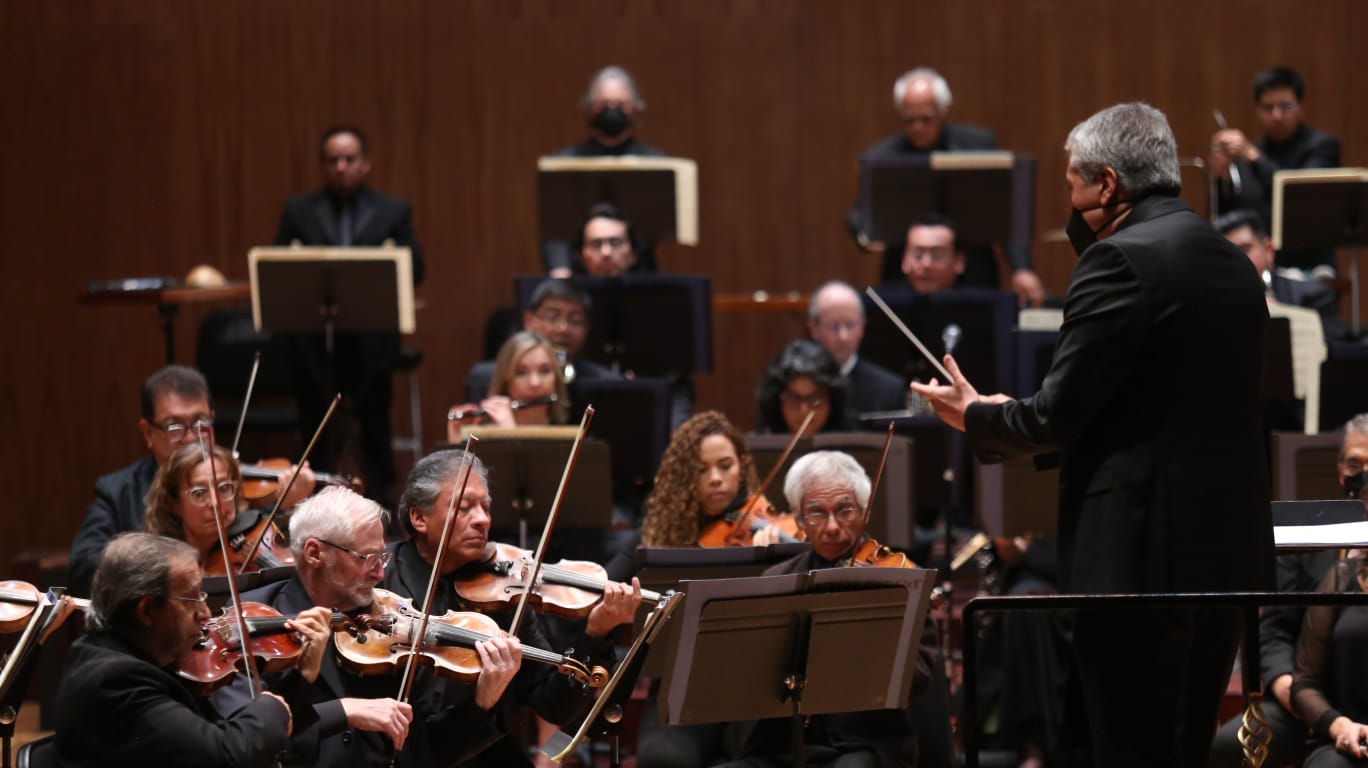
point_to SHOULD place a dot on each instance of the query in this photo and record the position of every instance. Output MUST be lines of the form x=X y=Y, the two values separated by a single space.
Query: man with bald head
x=836 y=320
x=922 y=100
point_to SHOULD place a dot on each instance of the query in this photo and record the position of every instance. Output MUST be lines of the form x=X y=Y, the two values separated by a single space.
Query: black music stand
x=659 y=195
x=1324 y=208
x=650 y=325
x=22 y=660
x=989 y=195
x=800 y=630
x=524 y=473
x=632 y=416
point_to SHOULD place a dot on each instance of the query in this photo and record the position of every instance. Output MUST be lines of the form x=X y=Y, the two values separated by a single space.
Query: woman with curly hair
x=706 y=473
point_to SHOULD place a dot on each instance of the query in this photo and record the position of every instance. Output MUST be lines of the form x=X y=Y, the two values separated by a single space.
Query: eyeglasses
x=924 y=119
x=795 y=400
x=203 y=599
x=556 y=318
x=1278 y=106
x=177 y=430
x=1352 y=466
x=227 y=489
x=367 y=561
x=815 y=517
x=938 y=255
x=597 y=243
x=834 y=327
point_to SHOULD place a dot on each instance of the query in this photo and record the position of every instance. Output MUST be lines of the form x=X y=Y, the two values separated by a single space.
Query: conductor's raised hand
x=952 y=400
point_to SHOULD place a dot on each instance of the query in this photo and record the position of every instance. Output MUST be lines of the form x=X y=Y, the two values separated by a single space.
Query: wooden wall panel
x=141 y=137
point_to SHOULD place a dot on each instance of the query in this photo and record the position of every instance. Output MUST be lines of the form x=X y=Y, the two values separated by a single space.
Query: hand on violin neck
x=618 y=606
x=313 y=626
x=386 y=716
x=302 y=489
x=500 y=659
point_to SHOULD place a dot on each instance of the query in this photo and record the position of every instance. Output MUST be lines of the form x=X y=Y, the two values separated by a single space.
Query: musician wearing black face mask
x=1153 y=391
x=612 y=108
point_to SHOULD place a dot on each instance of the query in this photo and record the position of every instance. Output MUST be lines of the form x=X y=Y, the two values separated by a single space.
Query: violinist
x=174 y=402
x=121 y=703
x=830 y=491
x=337 y=538
x=553 y=697
x=180 y=505
x=525 y=372
x=705 y=474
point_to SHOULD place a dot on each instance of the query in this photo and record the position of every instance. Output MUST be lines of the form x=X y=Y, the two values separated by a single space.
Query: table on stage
x=168 y=301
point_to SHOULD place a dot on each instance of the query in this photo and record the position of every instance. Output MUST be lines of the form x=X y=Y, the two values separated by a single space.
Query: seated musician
x=1281 y=625
x=424 y=504
x=524 y=372
x=933 y=261
x=180 y=505
x=121 y=701
x=1244 y=228
x=836 y=320
x=175 y=401
x=802 y=378
x=338 y=541
x=607 y=244
x=829 y=491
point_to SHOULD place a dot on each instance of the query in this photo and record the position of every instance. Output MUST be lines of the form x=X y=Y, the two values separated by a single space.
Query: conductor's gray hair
x=429 y=476
x=333 y=514
x=832 y=286
x=1355 y=426
x=825 y=469
x=939 y=88
x=134 y=565
x=1132 y=139
x=613 y=72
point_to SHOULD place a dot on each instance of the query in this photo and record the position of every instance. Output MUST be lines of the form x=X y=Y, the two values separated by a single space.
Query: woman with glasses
x=527 y=389
x=803 y=378
x=180 y=504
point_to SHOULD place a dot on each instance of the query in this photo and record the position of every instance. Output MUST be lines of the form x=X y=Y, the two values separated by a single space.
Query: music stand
x=49 y=611
x=823 y=642
x=1016 y=499
x=1323 y=208
x=634 y=418
x=625 y=323
x=524 y=473
x=659 y=195
x=990 y=195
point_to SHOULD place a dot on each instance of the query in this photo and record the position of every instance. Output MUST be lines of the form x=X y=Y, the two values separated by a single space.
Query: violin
x=380 y=641
x=261 y=481
x=18 y=601
x=474 y=414
x=871 y=553
x=219 y=654
x=569 y=588
x=251 y=525
x=738 y=528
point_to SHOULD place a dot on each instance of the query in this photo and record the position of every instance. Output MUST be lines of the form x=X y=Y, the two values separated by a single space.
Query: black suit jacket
x=118 y=507
x=1153 y=401
x=312 y=219
x=874 y=388
x=116 y=707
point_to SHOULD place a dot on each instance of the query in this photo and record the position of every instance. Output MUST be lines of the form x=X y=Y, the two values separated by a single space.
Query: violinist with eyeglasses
x=122 y=701
x=337 y=537
x=470 y=557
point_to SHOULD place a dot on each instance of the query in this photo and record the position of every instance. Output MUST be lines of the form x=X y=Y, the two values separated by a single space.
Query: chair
x=41 y=753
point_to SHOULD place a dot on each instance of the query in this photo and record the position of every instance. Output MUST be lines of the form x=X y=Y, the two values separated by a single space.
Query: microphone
x=950 y=337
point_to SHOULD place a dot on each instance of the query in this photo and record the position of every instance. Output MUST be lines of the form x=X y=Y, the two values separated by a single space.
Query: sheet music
x=993 y=159
x=685 y=178
x=1308 y=352
x=1322 y=536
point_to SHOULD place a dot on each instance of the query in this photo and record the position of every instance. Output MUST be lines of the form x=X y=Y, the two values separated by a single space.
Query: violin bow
x=285 y=491
x=530 y=579
x=878 y=473
x=246 y=400
x=467 y=463
x=206 y=442
x=774 y=470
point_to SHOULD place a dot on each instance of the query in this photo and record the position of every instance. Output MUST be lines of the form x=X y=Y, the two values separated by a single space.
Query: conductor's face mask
x=1081 y=234
x=1353 y=470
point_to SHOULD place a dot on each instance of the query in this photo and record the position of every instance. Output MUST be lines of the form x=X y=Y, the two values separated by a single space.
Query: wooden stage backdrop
x=142 y=137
